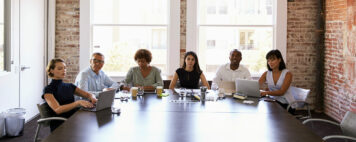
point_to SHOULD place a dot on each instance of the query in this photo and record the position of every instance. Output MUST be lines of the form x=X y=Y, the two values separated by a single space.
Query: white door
x=9 y=79
x=32 y=45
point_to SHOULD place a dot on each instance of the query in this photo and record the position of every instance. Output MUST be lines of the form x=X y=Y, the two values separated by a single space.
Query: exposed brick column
x=303 y=46
x=340 y=58
x=67 y=36
x=183 y=29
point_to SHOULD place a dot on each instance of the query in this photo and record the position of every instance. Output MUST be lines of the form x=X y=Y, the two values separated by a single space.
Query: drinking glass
x=140 y=91
x=182 y=92
x=215 y=88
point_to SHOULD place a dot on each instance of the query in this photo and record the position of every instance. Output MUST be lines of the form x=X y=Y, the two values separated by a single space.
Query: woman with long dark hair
x=190 y=73
x=278 y=78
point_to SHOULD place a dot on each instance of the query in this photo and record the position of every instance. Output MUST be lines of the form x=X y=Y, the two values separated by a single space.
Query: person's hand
x=263 y=93
x=108 y=89
x=85 y=104
x=93 y=100
x=126 y=88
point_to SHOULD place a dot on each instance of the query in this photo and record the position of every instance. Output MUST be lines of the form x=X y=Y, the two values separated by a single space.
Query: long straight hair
x=196 y=66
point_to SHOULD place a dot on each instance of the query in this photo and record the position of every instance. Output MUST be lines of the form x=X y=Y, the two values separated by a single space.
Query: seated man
x=233 y=70
x=93 y=79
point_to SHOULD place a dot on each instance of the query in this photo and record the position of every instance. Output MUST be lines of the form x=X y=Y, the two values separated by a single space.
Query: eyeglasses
x=98 y=61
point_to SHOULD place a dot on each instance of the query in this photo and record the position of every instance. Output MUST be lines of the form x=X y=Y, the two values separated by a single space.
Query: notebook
x=228 y=86
x=250 y=88
x=105 y=100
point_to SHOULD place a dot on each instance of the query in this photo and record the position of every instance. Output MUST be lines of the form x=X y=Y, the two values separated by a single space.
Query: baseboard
x=28 y=120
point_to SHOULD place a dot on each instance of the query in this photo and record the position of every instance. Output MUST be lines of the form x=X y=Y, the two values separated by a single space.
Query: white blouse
x=278 y=86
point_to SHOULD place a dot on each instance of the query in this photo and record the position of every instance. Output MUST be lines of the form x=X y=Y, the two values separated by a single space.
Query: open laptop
x=250 y=88
x=105 y=100
x=228 y=86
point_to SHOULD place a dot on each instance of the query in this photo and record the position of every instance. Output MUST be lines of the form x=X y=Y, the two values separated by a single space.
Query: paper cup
x=159 y=90
x=134 y=91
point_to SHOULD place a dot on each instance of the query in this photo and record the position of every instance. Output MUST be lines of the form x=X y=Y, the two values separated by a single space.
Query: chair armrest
x=320 y=120
x=50 y=119
x=295 y=102
x=339 y=137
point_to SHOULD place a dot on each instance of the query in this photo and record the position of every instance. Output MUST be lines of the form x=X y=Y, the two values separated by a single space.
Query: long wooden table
x=155 y=119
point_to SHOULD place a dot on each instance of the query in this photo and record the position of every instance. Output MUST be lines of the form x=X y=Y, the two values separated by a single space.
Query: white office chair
x=45 y=114
x=347 y=125
x=300 y=95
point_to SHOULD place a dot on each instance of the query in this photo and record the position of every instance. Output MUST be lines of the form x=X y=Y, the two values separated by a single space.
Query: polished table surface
x=164 y=119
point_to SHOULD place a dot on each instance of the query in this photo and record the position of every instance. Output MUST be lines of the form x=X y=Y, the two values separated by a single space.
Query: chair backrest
x=348 y=124
x=45 y=112
x=299 y=94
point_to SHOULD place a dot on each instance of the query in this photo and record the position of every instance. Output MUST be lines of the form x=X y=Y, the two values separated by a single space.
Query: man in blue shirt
x=93 y=79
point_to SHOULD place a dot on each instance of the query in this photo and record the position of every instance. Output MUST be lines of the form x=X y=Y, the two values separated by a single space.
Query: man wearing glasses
x=93 y=79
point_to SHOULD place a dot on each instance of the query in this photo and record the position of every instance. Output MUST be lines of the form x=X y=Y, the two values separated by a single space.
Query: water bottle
x=203 y=90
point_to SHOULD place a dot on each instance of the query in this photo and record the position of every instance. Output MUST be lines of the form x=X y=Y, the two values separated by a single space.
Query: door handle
x=24 y=68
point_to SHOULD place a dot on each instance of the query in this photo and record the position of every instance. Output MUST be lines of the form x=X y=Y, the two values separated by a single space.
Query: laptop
x=250 y=88
x=105 y=100
x=228 y=86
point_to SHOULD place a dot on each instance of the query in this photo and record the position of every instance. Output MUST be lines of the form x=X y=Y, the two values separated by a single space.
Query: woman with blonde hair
x=60 y=96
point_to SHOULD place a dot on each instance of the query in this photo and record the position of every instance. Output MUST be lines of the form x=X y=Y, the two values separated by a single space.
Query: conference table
x=173 y=118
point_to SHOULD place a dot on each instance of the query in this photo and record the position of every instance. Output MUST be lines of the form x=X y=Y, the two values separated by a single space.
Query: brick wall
x=183 y=29
x=67 y=36
x=303 y=47
x=340 y=58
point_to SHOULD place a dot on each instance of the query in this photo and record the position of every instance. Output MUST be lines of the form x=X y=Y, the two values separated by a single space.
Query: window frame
x=279 y=26
x=173 y=37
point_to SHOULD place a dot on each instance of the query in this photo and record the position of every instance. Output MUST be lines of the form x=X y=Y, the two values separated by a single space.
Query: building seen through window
x=224 y=25
x=121 y=27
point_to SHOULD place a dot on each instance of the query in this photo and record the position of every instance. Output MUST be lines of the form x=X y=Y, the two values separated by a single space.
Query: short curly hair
x=51 y=65
x=143 y=54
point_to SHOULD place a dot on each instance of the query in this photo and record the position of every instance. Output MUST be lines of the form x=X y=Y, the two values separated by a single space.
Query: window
x=5 y=35
x=246 y=40
x=2 y=34
x=247 y=25
x=120 y=27
x=210 y=43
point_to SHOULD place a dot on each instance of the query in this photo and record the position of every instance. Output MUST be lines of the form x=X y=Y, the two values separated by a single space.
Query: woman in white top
x=278 y=78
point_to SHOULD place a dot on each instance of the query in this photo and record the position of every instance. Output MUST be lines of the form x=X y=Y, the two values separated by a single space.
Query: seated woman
x=189 y=74
x=278 y=78
x=60 y=96
x=144 y=75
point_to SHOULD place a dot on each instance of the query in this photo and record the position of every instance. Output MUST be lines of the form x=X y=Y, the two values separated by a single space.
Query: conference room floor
x=30 y=128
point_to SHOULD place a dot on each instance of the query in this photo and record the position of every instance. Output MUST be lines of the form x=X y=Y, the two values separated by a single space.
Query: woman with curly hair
x=144 y=75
